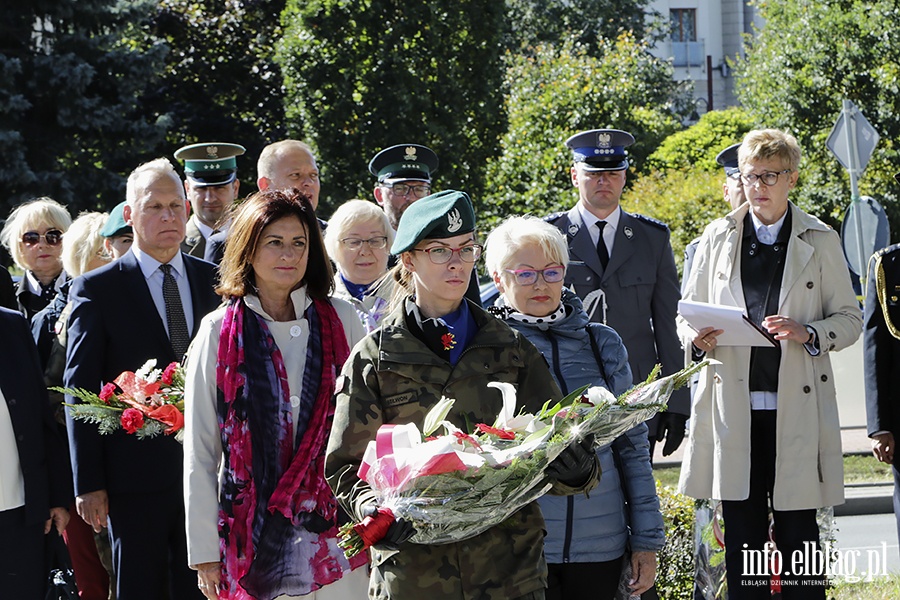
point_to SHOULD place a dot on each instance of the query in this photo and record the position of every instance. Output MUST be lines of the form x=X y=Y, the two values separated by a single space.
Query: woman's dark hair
x=249 y=218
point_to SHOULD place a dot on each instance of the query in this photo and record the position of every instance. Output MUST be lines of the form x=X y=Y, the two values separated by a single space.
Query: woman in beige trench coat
x=764 y=430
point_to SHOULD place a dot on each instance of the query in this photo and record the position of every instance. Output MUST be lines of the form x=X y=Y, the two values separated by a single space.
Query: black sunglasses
x=53 y=237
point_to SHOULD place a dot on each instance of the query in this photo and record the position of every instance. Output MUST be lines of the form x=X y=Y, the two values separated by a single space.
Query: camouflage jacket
x=392 y=377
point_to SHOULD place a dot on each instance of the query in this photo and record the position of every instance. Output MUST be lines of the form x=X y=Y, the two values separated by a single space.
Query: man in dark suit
x=35 y=482
x=881 y=331
x=211 y=185
x=7 y=290
x=623 y=269
x=146 y=305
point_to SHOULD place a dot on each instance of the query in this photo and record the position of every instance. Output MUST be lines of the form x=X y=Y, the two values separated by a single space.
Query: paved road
x=870 y=540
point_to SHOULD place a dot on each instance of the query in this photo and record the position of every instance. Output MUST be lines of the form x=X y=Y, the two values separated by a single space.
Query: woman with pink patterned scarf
x=261 y=519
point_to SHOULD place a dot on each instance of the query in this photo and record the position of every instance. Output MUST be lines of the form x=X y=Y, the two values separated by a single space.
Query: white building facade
x=703 y=34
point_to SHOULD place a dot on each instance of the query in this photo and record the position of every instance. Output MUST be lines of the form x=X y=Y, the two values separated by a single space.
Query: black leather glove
x=575 y=464
x=671 y=428
x=398 y=532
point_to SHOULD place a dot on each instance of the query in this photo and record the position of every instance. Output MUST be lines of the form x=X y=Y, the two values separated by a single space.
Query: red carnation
x=466 y=438
x=503 y=434
x=132 y=420
x=449 y=340
x=169 y=373
x=108 y=391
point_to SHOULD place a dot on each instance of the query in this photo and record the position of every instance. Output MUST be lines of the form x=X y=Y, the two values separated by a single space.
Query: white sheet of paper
x=737 y=330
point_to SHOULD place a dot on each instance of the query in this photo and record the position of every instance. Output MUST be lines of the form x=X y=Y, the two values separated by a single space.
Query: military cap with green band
x=438 y=216
x=210 y=163
x=404 y=162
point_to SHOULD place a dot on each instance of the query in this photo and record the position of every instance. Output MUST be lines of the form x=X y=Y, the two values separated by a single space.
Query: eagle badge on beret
x=454 y=221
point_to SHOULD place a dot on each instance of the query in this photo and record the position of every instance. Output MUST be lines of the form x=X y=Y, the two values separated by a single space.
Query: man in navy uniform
x=211 y=186
x=881 y=333
x=146 y=305
x=623 y=269
x=732 y=191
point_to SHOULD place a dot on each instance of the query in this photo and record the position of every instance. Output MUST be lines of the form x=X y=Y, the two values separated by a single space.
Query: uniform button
x=810 y=285
x=806 y=389
x=295 y=401
x=588 y=278
x=832 y=334
x=21 y=437
x=824 y=377
x=296 y=330
x=751 y=253
x=11 y=402
x=486 y=366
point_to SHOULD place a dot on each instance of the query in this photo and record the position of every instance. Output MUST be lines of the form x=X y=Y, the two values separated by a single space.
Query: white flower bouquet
x=457 y=485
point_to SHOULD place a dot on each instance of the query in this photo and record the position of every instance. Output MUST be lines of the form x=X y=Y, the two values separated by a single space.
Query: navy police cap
x=728 y=159
x=438 y=216
x=601 y=149
x=404 y=162
x=210 y=163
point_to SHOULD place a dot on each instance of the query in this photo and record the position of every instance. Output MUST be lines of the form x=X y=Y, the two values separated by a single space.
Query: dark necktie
x=602 y=252
x=178 y=331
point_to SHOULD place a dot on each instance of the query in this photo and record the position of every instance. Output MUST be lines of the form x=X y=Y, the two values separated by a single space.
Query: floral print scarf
x=278 y=516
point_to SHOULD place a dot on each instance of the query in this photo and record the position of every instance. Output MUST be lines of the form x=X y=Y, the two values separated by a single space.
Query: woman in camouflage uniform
x=437 y=344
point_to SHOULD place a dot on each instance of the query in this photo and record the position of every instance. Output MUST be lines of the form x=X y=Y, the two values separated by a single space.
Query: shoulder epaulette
x=881 y=287
x=552 y=217
x=651 y=221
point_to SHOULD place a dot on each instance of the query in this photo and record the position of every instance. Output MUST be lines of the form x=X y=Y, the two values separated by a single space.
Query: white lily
x=437 y=415
x=507 y=418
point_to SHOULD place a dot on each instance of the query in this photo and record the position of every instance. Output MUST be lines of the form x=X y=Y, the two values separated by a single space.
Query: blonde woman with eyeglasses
x=590 y=539
x=358 y=240
x=764 y=432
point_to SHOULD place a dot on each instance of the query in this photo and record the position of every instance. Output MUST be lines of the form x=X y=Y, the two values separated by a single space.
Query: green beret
x=438 y=216
x=115 y=223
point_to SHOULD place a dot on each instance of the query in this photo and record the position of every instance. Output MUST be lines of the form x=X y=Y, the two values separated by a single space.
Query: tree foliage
x=219 y=81
x=71 y=121
x=361 y=76
x=561 y=90
x=585 y=22
x=810 y=55
x=698 y=145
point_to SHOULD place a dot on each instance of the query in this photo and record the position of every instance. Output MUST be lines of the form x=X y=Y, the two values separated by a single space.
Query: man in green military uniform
x=211 y=186
x=437 y=344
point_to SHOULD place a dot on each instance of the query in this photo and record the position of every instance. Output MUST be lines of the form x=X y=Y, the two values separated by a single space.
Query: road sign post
x=852 y=140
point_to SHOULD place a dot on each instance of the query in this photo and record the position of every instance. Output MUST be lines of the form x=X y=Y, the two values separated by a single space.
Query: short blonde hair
x=265 y=165
x=517 y=232
x=350 y=213
x=136 y=180
x=32 y=215
x=83 y=242
x=765 y=144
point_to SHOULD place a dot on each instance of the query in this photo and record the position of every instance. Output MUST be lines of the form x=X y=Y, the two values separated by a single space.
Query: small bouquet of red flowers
x=458 y=485
x=144 y=403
